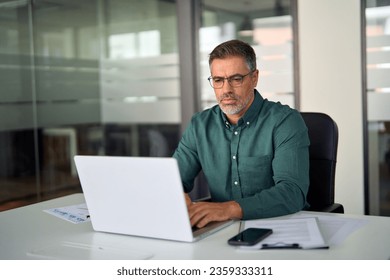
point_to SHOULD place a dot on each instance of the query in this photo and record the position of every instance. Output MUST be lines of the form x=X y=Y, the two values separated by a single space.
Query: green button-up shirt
x=262 y=163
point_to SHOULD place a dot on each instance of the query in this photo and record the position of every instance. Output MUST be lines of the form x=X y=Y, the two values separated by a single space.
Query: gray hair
x=234 y=48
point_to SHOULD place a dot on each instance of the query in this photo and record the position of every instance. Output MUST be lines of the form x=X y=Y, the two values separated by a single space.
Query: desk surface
x=30 y=233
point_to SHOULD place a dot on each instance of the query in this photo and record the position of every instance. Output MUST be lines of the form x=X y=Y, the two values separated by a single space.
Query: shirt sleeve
x=187 y=157
x=290 y=166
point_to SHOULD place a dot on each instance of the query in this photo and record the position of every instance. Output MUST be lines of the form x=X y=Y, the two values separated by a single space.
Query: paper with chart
x=74 y=213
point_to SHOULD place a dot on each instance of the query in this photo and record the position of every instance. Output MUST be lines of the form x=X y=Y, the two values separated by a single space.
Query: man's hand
x=202 y=213
x=188 y=200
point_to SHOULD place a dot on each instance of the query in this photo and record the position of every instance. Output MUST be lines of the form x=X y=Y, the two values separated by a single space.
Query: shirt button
x=235 y=132
x=247 y=123
x=234 y=157
x=236 y=183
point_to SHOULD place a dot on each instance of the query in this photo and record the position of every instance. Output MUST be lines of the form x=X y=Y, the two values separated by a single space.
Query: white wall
x=330 y=80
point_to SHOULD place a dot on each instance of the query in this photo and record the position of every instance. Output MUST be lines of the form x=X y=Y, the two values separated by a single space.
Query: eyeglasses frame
x=229 y=79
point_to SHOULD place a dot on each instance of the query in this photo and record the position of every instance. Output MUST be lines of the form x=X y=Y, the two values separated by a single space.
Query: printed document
x=74 y=213
x=299 y=233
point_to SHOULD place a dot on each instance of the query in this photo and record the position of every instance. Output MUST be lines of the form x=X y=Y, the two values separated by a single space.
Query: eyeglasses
x=234 y=81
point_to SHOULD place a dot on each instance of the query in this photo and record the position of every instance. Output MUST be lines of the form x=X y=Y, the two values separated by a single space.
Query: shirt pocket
x=255 y=174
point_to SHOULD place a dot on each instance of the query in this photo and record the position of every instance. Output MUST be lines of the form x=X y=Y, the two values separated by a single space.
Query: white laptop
x=141 y=196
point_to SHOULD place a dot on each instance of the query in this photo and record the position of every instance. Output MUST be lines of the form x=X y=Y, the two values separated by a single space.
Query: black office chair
x=323 y=135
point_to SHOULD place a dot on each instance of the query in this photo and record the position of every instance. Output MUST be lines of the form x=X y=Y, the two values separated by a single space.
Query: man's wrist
x=235 y=210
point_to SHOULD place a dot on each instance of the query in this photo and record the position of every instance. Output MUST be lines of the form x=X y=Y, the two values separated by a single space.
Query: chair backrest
x=323 y=135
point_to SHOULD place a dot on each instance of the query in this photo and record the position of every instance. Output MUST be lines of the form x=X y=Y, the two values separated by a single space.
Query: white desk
x=30 y=233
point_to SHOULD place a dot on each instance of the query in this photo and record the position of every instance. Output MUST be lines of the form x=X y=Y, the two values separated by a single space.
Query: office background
x=123 y=77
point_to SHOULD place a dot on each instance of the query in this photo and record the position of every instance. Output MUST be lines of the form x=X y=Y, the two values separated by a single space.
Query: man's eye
x=236 y=79
x=217 y=80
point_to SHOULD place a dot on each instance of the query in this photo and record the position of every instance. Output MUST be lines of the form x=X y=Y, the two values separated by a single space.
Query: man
x=253 y=152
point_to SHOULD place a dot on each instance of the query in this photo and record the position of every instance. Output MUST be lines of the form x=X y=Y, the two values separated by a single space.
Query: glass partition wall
x=92 y=77
x=18 y=138
x=377 y=16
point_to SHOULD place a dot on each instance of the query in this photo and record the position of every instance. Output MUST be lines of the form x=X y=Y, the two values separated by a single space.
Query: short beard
x=233 y=109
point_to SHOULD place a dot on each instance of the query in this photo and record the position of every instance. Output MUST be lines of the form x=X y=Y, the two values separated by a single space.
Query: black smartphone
x=250 y=236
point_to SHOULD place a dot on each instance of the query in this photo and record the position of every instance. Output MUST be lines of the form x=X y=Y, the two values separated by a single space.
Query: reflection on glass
x=130 y=45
